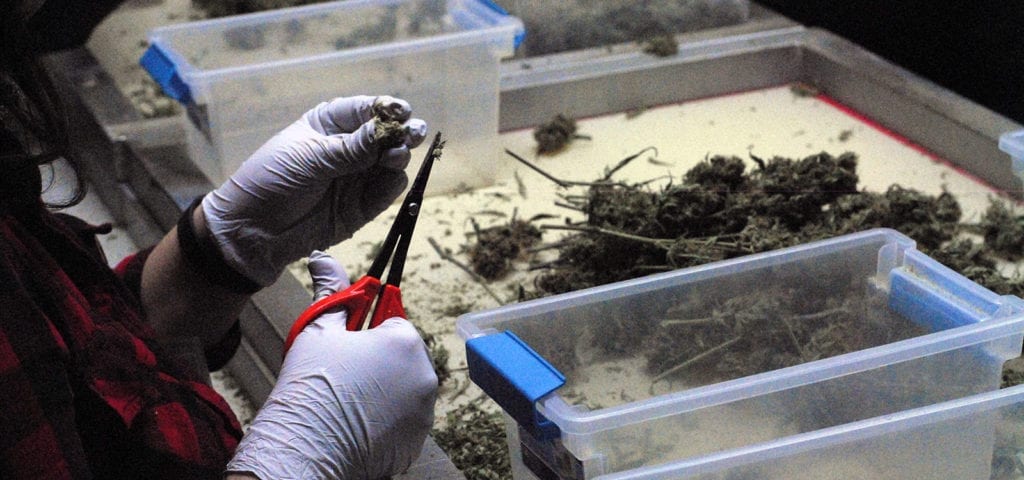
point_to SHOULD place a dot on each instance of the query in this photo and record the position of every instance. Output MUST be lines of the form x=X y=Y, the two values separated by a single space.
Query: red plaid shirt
x=85 y=390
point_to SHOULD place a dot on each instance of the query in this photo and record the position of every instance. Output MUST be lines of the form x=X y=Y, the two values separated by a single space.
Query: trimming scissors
x=358 y=297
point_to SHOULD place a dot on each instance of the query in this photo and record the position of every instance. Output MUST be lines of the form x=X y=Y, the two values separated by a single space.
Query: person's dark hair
x=33 y=125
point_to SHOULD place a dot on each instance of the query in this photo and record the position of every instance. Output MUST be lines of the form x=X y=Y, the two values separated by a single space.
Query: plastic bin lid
x=515 y=377
x=1013 y=143
x=520 y=35
x=164 y=71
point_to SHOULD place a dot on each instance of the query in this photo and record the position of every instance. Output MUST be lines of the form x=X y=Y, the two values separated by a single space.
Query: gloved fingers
x=390 y=108
x=416 y=132
x=353 y=152
x=405 y=342
x=328 y=275
x=346 y=153
x=396 y=158
x=403 y=337
x=341 y=115
x=398 y=323
x=346 y=114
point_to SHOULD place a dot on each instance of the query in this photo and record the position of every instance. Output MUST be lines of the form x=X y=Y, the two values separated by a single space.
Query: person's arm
x=181 y=302
x=309 y=187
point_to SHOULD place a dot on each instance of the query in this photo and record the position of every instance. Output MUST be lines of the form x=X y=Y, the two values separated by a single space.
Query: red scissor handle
x=356 y=299
x=389 y=305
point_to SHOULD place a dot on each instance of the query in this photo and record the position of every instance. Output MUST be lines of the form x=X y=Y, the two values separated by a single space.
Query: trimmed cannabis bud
x=388 y=131
x=555 y=135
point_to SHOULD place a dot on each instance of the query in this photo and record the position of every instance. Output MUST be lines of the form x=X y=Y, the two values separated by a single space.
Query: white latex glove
x=347 y=405
x=312 y=185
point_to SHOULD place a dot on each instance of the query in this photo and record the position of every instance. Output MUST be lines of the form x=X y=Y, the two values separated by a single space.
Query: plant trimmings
x=719 y=210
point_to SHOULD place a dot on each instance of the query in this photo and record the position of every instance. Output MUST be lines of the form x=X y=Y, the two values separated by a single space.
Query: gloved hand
x=313 y=185
x=351 y=405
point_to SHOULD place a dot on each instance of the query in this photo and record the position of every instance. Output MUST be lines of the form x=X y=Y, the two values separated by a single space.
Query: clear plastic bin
x=244 y=78
x=979 y=437
x=569 y=25
x=1013 y=143
x=757 y=368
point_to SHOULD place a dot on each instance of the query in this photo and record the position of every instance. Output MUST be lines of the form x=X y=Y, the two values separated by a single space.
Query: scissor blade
x=411 y=210
x=407 y=214
x=419 y=185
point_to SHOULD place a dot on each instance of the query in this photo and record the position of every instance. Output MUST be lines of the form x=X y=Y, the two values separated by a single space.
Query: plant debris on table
x=720 y=210
x=496 y=247
x=475 y=441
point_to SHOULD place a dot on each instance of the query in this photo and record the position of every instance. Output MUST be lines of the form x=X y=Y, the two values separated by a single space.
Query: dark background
x=974 y=48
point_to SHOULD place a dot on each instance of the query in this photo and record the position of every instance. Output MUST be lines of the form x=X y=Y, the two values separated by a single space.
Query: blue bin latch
x=164 y=71
x=515 y=377
x=161 y=67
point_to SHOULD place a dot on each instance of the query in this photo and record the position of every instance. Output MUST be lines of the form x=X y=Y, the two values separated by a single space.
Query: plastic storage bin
x=1013 y=143
x=246 y=77
x=591 y=386
x=569 y=25
x=979 y=437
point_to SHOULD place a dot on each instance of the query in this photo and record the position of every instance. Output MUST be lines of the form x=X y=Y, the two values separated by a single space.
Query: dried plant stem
x=666 y=243
x=820 y=315
x=543 y=266
x=626 y=161
x=654 y=268
x=454 y=261
x=569 y=206
x=545 y=174
x=462 y=389
x=520 y=186
x=688 y=321
x=675 y=255
x=558 y=181
x=696 y=358
x=547 y=246
x=660 y=242
x=792 y=338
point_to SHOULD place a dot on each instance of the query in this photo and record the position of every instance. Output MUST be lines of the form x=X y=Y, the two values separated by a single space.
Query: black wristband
x=205 y=258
